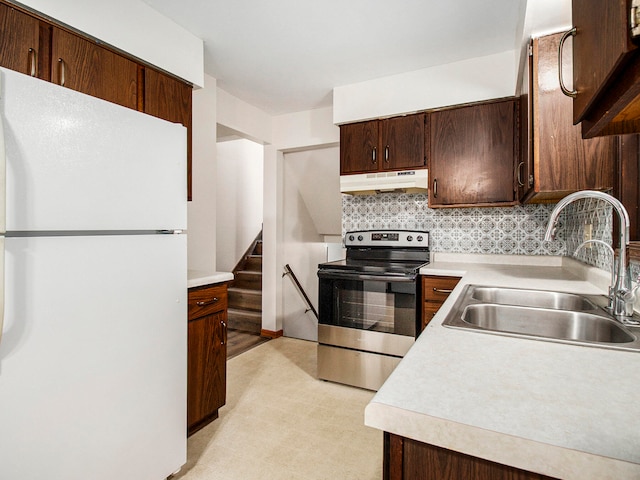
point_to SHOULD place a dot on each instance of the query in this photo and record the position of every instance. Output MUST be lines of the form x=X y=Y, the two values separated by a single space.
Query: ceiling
x=284 y=56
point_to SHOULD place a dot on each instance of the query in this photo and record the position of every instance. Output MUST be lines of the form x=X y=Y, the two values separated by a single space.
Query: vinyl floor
x=281 y=422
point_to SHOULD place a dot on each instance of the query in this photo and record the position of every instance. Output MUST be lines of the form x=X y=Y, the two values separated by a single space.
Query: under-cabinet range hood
x=406 y=181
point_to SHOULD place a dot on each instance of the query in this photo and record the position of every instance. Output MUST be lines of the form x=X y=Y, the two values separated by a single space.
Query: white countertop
x=568 y=411
x=197 y=278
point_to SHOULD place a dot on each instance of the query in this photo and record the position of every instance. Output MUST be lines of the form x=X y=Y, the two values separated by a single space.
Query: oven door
x=375 y=313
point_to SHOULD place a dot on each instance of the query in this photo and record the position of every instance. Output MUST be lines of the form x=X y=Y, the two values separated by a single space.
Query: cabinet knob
x=386 y=154
x=374 y=155
x=435 y=188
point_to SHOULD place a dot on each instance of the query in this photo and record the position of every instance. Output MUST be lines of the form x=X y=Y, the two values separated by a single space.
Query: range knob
x=420 y=238
x=351 y=237
x=409 y=238
x=360 y=238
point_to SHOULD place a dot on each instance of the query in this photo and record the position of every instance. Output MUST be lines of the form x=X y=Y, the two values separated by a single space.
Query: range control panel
x=387 y=238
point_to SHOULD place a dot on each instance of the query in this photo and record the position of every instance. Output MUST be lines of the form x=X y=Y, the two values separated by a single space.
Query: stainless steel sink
x=559 y=324
x=541 y=315
x=533 y=298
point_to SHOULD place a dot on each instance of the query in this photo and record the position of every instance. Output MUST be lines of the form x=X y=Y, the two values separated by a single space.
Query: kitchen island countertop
x=567 y=411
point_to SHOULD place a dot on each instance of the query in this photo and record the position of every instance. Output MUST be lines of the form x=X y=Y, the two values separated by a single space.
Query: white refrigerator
x=93 y=349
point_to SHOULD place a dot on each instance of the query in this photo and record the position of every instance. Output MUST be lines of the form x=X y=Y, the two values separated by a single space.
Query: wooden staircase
x=245 y=292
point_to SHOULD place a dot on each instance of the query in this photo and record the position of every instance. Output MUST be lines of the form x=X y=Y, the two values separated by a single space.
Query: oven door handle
x=333 y=275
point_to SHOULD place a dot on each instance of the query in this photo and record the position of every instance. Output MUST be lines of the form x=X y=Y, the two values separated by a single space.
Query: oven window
x=379 y=306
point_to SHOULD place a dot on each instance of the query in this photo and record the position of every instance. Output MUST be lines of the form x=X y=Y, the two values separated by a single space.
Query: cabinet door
x=206 y=374
x=21 y=47
x=359 y=149
x=403 y=142
x=473 y=155
x=170 y=99
x=563 y=161
x=600 y=48
x=89 y=68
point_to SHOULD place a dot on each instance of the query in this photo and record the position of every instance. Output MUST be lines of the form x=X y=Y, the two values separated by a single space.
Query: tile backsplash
x=515 y=230
x=498 y=230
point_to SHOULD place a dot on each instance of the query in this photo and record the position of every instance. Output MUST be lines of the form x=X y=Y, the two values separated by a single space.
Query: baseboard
x=270 y=333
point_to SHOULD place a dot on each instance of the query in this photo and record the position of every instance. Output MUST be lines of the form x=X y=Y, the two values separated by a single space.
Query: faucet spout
x=621 y=287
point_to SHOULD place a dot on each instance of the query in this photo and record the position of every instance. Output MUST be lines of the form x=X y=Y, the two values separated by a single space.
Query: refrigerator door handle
x=3 y=172
x=3 y=211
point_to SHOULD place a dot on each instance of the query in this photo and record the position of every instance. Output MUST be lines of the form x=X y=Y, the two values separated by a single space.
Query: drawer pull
x=204 y=303
x=442 y=290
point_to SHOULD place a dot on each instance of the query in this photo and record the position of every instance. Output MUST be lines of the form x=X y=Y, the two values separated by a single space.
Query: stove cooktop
x=375 y=266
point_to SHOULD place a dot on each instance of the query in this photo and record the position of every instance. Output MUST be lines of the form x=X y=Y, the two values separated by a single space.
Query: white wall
x=239 y=199
x=473 y=80
x=246 y=119
x=315 y=175
x=308 y=175
x=133 y=27
x=201 y=229
x=305 y=130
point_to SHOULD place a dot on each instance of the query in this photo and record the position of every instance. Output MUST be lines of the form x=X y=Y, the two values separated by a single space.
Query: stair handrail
x=289 y=271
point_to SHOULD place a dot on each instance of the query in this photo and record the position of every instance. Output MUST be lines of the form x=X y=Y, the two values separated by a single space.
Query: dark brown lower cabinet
x=407 y=459
x=207 y=355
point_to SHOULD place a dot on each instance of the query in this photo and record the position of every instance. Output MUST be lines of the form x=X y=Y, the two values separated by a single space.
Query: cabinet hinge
x=530 y=181
x=634 y=19
x=530 y=50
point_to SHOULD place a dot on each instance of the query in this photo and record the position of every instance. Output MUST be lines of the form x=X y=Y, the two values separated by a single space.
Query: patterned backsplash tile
x=515 y=230
x=498 y=230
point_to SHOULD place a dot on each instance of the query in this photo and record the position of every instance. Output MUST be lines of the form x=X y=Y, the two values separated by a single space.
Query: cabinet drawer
x=206 y=300
x=436 y=288
x=429 y=311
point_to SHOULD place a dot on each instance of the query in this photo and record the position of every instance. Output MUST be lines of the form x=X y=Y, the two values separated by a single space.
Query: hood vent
x=404 y=181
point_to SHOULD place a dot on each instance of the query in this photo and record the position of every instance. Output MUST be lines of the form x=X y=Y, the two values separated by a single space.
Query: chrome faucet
x=621 y=295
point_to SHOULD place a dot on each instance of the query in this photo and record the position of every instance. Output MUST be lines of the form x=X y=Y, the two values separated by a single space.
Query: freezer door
x=93 y=359
x=75 y=162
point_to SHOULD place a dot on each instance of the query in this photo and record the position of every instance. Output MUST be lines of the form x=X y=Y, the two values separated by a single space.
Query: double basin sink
x=541 y=315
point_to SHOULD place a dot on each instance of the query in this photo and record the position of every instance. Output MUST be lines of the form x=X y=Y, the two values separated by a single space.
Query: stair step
x=245 y=320
x=253 y=263
x=245 y=299
x=258 y=248
x=248 y=279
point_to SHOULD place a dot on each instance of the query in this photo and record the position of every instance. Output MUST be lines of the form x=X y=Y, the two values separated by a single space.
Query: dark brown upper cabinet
x=557 y=160
x=396 y=143
x=170 y=99
x=474 y=150
x=86 y=67
x=606 y=68
x=24 y=43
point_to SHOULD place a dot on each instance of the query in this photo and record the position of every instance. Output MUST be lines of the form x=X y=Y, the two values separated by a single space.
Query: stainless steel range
x=367 y=306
